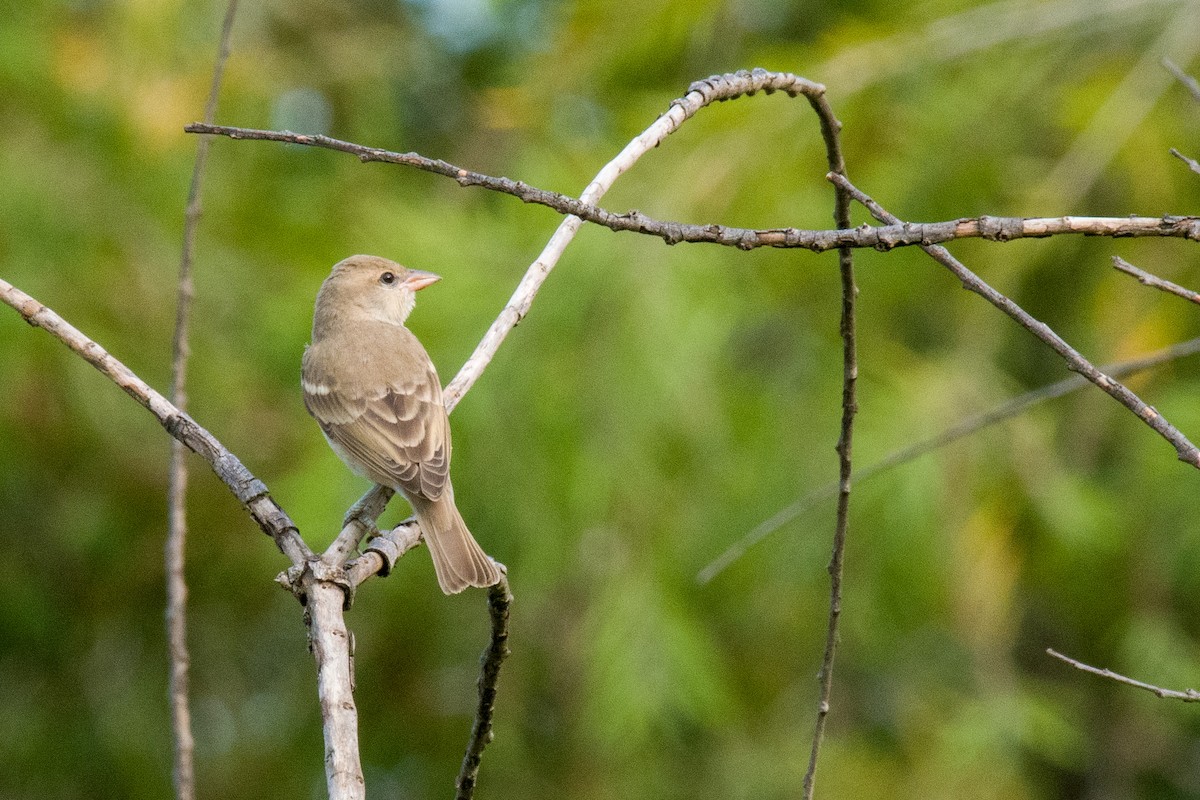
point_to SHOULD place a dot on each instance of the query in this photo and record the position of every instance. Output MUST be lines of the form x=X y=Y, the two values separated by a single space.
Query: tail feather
x=458 y=559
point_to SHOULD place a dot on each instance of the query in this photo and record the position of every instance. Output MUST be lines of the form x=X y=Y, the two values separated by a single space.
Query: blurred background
x=657 y=404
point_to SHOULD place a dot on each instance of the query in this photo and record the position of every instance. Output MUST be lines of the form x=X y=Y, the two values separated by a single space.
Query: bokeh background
x=658 y=402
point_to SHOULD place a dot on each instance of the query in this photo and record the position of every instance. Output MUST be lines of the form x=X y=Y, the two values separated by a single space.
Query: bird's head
x=370 y=287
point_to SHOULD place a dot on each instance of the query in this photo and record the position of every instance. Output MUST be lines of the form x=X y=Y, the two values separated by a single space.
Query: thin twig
x=249 y=490
x=1190 y=83
x=1187 y=696
x=1192 y=163
x=1153 y=281
x=174 y=549
x=499 y=601
x=830 y=129
x=1186 y=451
x=962 y=429
x=998 y=229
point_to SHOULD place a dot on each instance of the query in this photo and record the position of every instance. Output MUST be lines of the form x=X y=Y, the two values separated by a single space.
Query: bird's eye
x=387 y=278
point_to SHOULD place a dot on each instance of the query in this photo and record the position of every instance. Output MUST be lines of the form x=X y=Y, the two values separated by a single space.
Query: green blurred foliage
x=655 y=405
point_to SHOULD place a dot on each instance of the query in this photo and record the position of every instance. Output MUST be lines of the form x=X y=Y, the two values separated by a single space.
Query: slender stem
x=830 y=128
x=1187 y=695
x=1192 y=163
x=174 y=552
x=1190 y=83
x=1153 y=281
x=499 y=600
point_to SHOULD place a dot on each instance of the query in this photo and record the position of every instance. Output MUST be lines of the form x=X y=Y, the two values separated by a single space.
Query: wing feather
x=397 y=431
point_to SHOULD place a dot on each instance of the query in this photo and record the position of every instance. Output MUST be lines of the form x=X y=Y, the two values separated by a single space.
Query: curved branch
x=700 y=94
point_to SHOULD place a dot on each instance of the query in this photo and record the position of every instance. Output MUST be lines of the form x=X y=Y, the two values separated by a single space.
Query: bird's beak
x=418 y=279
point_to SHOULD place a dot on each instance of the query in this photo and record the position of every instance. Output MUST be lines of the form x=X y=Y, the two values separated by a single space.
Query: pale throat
x=394 y=309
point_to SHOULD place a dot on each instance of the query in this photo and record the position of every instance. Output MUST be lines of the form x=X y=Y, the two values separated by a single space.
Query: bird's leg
x=368 y=508
x=358 y=522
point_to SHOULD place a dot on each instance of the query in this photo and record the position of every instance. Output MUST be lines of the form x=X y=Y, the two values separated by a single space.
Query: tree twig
x=1153 y=281
x=1190 y=83
x=998 y=229
x=499 y=601
x=1187 y=696
x=249 y=490
x=174 y=552
x=960 y=430
x=1186 y=451
x=1192 y=163
x=830 y=130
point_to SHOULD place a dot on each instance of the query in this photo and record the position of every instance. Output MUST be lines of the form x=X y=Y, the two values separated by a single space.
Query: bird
x=375 y=393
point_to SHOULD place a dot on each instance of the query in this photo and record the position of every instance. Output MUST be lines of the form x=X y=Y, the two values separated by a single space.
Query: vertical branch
x=499 y=600
x=333 y=650
x=830 y=129
x=173 y=556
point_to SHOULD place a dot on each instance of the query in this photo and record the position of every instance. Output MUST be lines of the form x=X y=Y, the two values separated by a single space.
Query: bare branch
x=1187 y=452
x=174 y=548
x=961 y=430
x=830 y=131
x=1190 y=83
x=1146 y=279
x=1192 y=163
x=249 y=490
x=1187 y=696
x=332 y=647
x=499 y=600
x=998 y=229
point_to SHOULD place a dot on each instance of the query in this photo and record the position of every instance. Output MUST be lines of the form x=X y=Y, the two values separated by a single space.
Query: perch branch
x=1186 y=451
x=249 y=490
x=332 y=647
x=1153 y=281
x=1187 y=696
x=174 y=551
x=997 y=229
x=966 y=427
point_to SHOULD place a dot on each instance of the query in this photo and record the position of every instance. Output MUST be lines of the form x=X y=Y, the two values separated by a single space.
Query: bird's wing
x=398 y=432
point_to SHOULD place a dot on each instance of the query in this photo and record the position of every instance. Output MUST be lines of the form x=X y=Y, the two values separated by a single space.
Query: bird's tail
x=458 y=559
